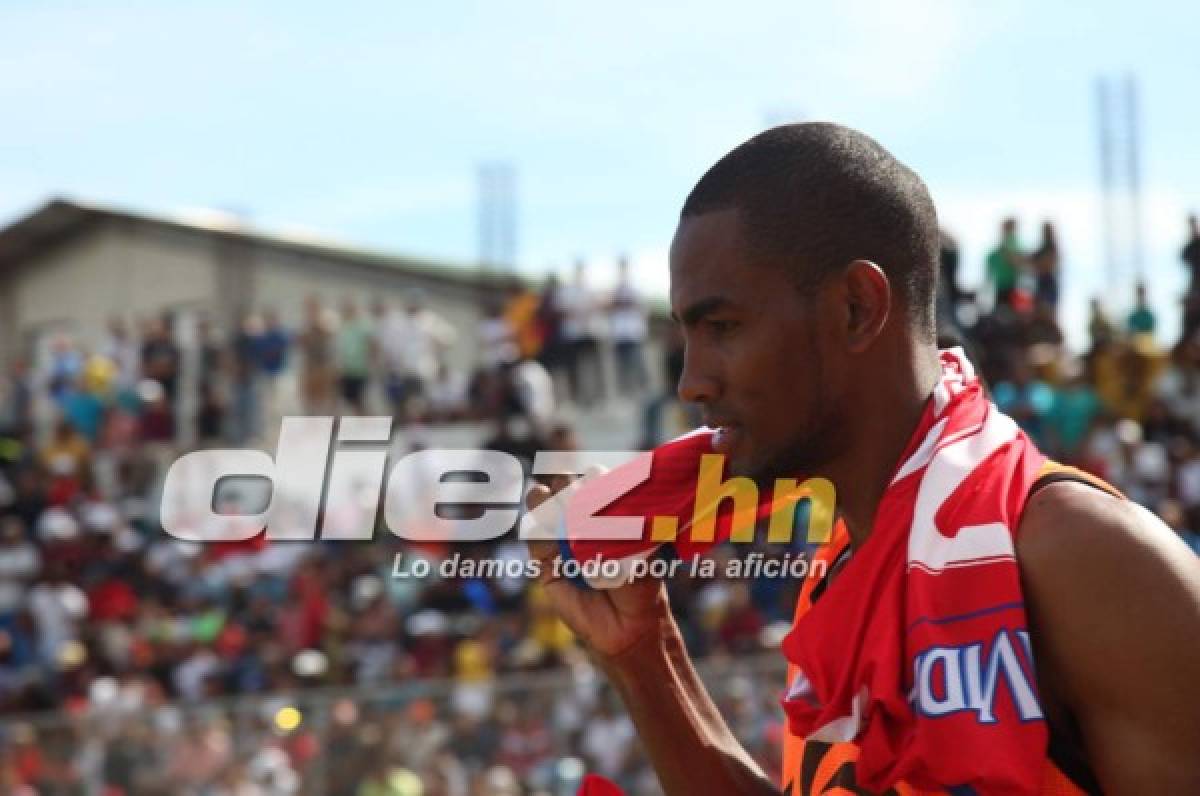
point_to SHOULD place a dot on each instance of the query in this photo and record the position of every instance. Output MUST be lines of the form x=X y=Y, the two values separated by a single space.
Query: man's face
x=760 y=351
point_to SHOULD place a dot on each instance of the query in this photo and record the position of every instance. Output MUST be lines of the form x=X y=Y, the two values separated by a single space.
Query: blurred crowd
x=531 y=353
x=1126 y=408
x=145 y=646
x=542 y=735
x=104 y=614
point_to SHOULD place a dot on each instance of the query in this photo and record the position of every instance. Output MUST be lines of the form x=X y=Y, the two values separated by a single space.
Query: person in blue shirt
x=1025 y=399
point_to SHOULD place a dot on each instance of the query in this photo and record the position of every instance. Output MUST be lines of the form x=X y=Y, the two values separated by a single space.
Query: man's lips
x=725 y=437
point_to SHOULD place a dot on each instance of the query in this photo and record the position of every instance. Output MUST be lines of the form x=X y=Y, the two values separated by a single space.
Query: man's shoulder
x=1063 y=517
x=1076 y=537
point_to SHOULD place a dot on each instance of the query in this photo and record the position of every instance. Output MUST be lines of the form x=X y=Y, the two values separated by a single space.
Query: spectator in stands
x=16 y=398
x=1025 y=399
x=413 y=342
x=83 y=407
x=608 y=740
x=123 y=351
x=1141 y=320
x=161 y=357
x=1046 y=264
x=1100 y=329
x=211 y=403
x=521 y=309
x=272 y=348
x=498 y=346
x=1191 y=253
x=580 y=321
x=446 y=395
x=627 y=324
x=533 y=392
x=353 y=349
x=246 y=418
x=318 y=374
x=1126 y=375
x=555 y=354
x=1191 y=258
x=950 y=295
x=1042 y=328
x=1075 y=409
x=1179 y=386
x=1004 y=264
x=64 y=364
x=20 y=564
x=68 y=452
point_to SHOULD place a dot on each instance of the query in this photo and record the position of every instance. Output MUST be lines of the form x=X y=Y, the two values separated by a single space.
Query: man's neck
x=862 y=475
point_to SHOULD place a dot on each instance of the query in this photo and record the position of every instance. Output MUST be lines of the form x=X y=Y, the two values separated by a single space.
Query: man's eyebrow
x=695 y=312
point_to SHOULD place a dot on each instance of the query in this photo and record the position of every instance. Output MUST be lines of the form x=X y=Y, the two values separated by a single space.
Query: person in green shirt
x=353 y=347
x=1004 y=264
x=1141 y=320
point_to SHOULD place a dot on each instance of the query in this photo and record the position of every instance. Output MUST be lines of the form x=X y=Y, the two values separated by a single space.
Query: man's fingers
x=559 y=482
x=537 y=495
x=546 y=554
x=543 y=551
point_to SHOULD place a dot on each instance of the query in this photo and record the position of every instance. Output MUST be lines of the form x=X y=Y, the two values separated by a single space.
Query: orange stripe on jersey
x=794 y=747
x=1052 y=472
x=829 y=766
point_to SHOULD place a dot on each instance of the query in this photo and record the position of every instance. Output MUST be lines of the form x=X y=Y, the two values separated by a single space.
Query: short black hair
x=821 y=195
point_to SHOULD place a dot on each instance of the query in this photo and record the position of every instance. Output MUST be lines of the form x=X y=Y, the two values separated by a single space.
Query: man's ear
x=868 y=296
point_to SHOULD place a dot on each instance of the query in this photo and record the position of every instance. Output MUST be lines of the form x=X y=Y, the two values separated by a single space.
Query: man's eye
x=720 y=327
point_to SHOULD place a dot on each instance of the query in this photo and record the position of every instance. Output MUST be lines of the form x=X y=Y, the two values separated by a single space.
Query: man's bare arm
x=633 y=637
x=682 y=732
x=1114 y=603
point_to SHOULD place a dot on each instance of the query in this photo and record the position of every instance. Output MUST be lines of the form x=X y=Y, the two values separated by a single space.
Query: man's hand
x=608 y=621
x=632 y=635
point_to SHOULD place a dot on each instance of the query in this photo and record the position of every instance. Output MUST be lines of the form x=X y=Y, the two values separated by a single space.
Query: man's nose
x=697 y=383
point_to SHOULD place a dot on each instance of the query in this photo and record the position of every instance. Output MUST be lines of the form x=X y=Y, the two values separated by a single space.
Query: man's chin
x=746 y=465
x=766 y=472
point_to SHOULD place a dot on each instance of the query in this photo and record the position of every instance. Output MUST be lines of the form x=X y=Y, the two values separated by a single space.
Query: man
x=1191 y=300
x=627 y=324
x=412 y=342
x=1141 y=320
x=1004 y=264
x=352 y=344
x=802 y=272
x=315 y=342
x=1191 y=253
x=579 y=308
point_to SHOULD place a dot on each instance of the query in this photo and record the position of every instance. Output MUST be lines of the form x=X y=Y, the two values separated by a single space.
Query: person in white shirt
x=627 y=324
x=412 y=342
x=447 y=394
x=579 y=313
x=123 y=351
x=497 y=339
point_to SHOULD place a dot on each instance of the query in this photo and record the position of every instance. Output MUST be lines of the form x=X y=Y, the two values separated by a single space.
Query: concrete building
x=68 y=267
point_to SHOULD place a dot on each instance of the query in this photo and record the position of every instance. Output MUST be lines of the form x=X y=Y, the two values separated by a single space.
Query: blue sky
x=367 y=126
